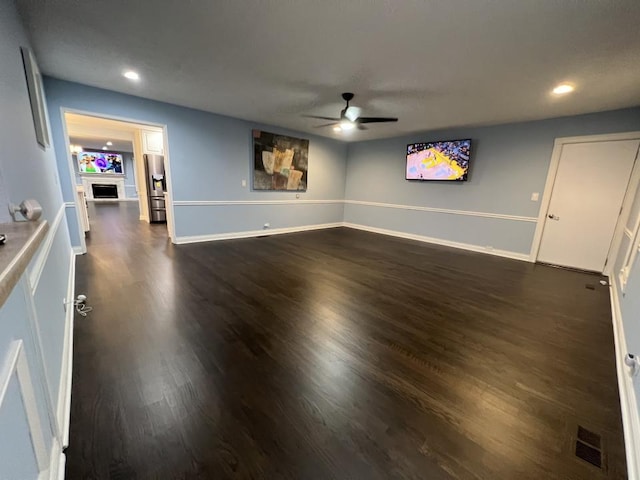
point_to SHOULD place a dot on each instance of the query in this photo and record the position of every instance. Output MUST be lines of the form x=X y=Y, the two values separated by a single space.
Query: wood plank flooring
x=334 y=354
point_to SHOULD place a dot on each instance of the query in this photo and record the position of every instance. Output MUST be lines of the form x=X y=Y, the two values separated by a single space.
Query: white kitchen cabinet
x=152 y=142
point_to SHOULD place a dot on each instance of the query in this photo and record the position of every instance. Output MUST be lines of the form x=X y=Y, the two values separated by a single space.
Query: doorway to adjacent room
x=118 y=165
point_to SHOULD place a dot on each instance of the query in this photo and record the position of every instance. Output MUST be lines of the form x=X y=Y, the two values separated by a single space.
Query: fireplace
x=102 y=190
x=108 y=188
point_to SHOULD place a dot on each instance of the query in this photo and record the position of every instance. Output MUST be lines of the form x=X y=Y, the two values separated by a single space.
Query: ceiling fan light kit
x=350 y=118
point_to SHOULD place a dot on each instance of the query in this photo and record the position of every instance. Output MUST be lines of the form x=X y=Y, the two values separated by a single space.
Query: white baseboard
x=57 y=462
x=394 y=233
x=64 y=390
x=628 y=403
x=253 y=233
x=439 y=241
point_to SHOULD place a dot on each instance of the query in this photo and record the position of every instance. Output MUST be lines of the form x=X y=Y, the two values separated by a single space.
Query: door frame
x=632 y=186
x=167 y=163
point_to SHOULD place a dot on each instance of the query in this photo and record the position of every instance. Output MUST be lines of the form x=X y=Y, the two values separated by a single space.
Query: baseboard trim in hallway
x=628 y=403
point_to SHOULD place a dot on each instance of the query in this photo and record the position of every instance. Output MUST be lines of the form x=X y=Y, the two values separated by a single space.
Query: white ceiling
x=433 y=64
x=96 y=143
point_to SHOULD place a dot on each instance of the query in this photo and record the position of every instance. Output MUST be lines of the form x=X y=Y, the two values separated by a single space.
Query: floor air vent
x=589 y=447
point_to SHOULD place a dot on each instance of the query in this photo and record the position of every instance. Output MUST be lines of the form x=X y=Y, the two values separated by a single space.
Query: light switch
x=535 y=196
x=244 y=182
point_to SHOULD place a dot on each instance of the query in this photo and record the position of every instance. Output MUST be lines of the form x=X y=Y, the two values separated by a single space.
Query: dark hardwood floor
x=334 y=354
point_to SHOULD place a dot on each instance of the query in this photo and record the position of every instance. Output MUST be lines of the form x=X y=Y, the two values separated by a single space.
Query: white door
x=587 y=197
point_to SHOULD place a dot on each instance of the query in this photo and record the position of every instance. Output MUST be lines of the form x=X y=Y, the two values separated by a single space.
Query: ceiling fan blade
x=376 y=119
x=326 y=125
x=322 y=118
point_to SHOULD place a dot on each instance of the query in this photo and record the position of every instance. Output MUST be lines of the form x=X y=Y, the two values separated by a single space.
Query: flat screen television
x=100 y=162
x=442 y=161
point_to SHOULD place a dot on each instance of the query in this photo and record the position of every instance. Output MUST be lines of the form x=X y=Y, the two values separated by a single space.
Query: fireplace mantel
x=89 y=180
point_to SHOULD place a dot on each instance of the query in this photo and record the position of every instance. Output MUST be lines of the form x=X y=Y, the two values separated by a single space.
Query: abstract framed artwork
x=280 y=162
x=36 y=96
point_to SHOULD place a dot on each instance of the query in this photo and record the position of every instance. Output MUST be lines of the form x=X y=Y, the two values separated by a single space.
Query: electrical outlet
x=244 y=182
x=267 y=225
x=535 y=196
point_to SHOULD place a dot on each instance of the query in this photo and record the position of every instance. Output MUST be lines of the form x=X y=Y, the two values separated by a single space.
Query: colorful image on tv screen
x=438 y=160
x=100 y=162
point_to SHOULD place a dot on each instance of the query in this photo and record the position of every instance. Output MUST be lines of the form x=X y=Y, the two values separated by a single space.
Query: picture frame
x=280 y=162
x=36 y=96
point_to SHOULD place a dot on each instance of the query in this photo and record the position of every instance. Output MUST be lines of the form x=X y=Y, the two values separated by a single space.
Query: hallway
x=333 y=354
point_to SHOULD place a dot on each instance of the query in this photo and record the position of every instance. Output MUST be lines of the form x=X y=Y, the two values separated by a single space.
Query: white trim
x=253 y=233
x=130 y=186
x=623 y=216
x=605 y=137
x=628 y=232
x=43 y=371
x=56 y=465
x=449 y=211
x=72 y=175
x=502 y=216
x=16 y=362
x=168 y=199
x=628 y=404
x=41 y=260
x=64 y=389
x=558 y=144
x=61 y=468
x=139 y=124
x=206 y=203
x=77 y=250
x=69 y=204
x=439 y=241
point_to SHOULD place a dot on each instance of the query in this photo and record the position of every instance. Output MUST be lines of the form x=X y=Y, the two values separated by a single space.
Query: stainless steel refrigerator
x=156 y=186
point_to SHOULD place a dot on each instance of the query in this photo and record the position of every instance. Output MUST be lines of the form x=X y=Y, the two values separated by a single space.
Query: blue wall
x=210 y=155
x=29 y=171
x=508 y=164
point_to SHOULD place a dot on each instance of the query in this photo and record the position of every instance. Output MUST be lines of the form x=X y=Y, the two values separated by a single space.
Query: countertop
x=23 y=240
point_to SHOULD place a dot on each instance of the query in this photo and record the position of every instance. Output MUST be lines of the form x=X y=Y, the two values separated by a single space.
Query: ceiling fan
x=350 y=117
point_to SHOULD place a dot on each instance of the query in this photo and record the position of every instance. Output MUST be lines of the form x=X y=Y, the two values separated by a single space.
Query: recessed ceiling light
x=347 y=125
x=337 y=128
x=105 y=148
x=563 y=89
x=109 y=143
x=131 y=75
